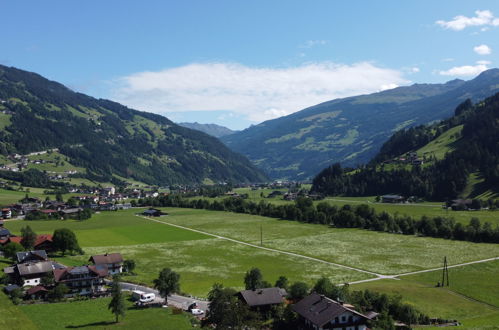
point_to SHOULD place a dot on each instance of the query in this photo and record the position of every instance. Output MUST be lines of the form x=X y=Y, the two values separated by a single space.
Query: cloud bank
x=257 y=93
x=466 y=70
x=483 y=18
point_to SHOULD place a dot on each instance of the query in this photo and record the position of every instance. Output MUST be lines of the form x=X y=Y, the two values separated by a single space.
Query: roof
x=108 y=258
x=39 y=239
x=392 y=196
x=4 y=232
x=30 y=268
x=320 y=310
x=36 y=289
x=92 y=271
x=11 y=287
x=71 y=211
x=31 y=255
x=260 y=297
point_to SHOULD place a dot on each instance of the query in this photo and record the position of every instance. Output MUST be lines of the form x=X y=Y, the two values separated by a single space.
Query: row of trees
x=361 y=216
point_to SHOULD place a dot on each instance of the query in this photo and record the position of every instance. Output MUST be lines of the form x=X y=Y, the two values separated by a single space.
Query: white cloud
x=466 y=70
x=483 y=18
x=415 y=70
x=256 y=93
x=482 y=50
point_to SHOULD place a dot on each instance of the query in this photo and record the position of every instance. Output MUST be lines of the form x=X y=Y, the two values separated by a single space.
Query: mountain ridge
x=109 y=139
x=210 y=129
x=351 y=130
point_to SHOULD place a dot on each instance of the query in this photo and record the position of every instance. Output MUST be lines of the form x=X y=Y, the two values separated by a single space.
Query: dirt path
x=376 y=275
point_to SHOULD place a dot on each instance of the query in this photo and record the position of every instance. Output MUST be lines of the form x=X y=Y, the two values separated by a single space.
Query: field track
x=376 y=275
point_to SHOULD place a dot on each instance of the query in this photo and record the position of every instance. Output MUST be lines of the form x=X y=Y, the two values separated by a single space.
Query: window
x=343 y=318
x=336 y=319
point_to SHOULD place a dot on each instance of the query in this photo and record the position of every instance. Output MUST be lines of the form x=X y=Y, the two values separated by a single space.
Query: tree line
x=361 y=216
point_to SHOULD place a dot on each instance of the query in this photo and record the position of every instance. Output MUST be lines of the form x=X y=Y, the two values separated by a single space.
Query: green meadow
x=90 y=314
x=472 y=296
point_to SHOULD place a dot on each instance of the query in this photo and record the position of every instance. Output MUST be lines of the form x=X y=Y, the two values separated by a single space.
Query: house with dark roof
x=113 y=262
x=83 y=280
x=153 y=213
x=4 y=235
x=265 y=297
x=29 y=273
x=319 y=312
x=392 y=199
x=33 y=256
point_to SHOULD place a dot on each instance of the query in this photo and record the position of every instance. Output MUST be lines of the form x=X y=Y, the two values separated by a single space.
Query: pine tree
x=117 y=304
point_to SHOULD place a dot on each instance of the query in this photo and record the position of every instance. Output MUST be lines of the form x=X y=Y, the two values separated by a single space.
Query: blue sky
x=238 y=63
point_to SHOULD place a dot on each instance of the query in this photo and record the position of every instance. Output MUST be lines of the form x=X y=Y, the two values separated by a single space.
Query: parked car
x=147 y=297
x=196 y=311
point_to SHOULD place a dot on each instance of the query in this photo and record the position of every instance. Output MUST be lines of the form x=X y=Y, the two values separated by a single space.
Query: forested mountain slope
x=435 y=161
x=107 y=138
x=351 y=130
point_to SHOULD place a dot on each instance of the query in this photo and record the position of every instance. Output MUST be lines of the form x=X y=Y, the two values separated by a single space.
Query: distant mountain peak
x=210 y=129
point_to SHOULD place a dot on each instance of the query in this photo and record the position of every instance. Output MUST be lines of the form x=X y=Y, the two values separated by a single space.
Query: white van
x=147 y=297
x=137 y=294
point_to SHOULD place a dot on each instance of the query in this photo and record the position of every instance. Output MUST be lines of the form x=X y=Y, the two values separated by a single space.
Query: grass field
x=472 y=297
x=374 y=251
x=94 y=314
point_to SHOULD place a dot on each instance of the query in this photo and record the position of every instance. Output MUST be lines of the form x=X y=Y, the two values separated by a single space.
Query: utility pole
x=445 y=273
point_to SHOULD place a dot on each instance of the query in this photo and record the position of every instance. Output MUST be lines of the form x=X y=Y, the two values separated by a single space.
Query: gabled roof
x=261 y=297
x=31 y=255
x=69 y=272
x=4 y=232
x=320 y=310
x=36 y=289
x=108 y=258
x=39 y=239
x=31 y=268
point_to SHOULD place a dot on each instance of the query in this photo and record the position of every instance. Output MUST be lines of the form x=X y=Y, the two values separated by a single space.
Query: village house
x=83 y=280
x=6 y=213
x=319 y=312
x=42 y=242
x=113 y=262
x=392 y=199
x=29 y=273
x=262 y=298
x=153 y=213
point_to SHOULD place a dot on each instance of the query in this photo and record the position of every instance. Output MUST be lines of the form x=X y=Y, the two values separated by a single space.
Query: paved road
x=176 y=300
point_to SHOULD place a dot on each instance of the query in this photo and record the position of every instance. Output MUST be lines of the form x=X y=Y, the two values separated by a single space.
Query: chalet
x=461 y=204
x=259 y=298
x=83 y=280
x=113 y=262
x=392 y=199
x=29 y=273
x=31 y=256
x=290 y=196
x=153 y=213
x=123 y=206
x=42 y=242
x=319 y=312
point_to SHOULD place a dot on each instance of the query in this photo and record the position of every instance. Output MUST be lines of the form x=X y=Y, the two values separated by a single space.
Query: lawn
x=12 y=316
x=374 y=251
x=472 y=297
x=94 y=314
x=111 y=229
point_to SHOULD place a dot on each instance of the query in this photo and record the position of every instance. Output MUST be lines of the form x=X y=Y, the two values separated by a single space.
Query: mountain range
x=351 y=130
x=108 y=140
x=457 y=157
x=210 y=129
